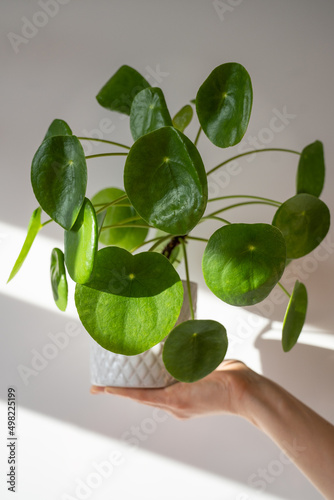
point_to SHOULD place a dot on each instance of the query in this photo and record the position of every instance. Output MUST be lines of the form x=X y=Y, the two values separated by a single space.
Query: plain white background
x=54 y=71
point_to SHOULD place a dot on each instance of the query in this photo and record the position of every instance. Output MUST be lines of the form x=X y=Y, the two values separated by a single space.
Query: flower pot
x=142 y=370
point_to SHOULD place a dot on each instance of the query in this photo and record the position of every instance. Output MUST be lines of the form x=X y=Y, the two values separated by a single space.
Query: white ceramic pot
x=143 y=370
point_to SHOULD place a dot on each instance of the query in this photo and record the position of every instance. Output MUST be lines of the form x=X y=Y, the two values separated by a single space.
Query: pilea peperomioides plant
x=128 y=299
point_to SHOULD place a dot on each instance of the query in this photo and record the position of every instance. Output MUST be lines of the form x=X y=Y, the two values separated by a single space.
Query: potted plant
x=129 y=300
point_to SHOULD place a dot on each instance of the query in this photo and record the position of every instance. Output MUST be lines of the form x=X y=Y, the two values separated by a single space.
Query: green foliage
x=131 y=302
x=124 y=236
x=165 y=180
x=194 y=349
x=294 y=317
x=304 y=221
x=58 y=279
x=311 y=169
x=33 y=229
x=128 y=299
x=148 y=112
x=243 y=262
x=224 y=103
x=59 y=178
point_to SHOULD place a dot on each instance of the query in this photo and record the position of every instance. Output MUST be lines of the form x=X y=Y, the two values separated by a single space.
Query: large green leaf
x=311 y=169
x=165 y=180
x=33 y=229
x=58 y=279
x=58 y=127
x=118 y=93
x=80 y=244
x=124 y=237
x=194 y=349
x=148 y=112
x=304 y=221
x=294 y=317
x=132 y=301
x=224 y=103
x=59 y=178
x=183 y=117
x=243 y=262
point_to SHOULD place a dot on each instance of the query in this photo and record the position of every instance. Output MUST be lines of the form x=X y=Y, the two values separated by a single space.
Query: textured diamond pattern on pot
x=143 y=370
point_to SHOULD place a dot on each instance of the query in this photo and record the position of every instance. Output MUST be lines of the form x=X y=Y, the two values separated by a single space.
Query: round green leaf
x=311 y=169
x=165 y=180
x=294 y=317
x=132 y=301
x=58 y=279
x=58 y=127
x=194 y=349
x=243 y=262
x=182 y=119
x=118 y=93
x=59 y=178
x=148 y=112
x=304 y=221
x=224 y=103
x=33 y=229
x=80 y=244
x=124 y=237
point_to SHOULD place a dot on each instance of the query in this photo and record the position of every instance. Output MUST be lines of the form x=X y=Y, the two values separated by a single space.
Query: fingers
x=153 y=397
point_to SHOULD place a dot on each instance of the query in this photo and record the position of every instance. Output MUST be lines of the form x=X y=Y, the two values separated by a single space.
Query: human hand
x=222 y=391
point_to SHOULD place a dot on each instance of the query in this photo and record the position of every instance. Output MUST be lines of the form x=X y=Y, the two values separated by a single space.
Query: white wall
x=55 y=71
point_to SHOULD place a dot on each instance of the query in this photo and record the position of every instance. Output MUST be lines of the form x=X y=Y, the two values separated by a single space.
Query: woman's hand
x=223 y=391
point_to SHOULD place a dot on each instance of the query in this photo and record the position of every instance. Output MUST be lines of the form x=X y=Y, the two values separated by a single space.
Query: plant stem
x=105 y=154
x=126 y=225
x=250 y=153
x=114 y=202
x=239 y=205
x=245 y=196
x=197 y=136
x=46 y=222
x=284 y=289
x=188 y=280
x=162 y=238
x=215 y=218
x=196 y=238
x=105 y=141
x=158 y=239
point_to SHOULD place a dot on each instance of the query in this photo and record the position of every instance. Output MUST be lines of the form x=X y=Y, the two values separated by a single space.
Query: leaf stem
x=244 y=196
x=99 y=155
x=239 y=205
x=103 y=140
x=197 y=136
x=188 y=280
x=159 y=240
x=250 y=153
x=126 y=225
x=284 y=289
x=196 y=238
x=46 y=222
x=215 y=218
x=114 y=202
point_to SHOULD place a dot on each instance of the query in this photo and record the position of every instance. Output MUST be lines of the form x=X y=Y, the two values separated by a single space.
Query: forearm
x=306 y=438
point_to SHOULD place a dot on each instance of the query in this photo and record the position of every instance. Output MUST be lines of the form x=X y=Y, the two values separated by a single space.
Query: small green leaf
x=148 y=112
x=243 y=262
x=131 y=302
x=294 y=317
x=58 y=279
x=165 y=180
x=33 y=229
x=182 y=119
x=80 y=244
x=224 y=103
x=304 y=221
x=59 y=178
x=123 y=237
x=58 y=127
x=194 y=349
x=311 y=169
x=118 y=93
